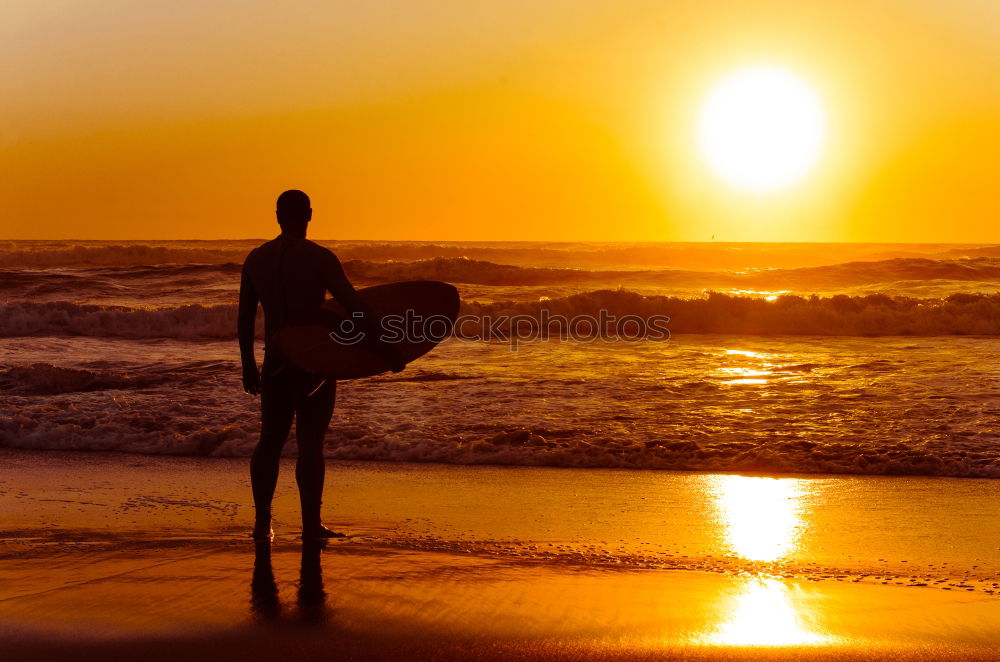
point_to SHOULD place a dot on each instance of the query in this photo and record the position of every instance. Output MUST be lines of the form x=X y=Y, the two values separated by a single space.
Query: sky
x=548 y=120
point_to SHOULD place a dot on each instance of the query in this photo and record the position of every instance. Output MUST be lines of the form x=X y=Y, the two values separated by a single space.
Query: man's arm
x=343 y=291
x=246 y=321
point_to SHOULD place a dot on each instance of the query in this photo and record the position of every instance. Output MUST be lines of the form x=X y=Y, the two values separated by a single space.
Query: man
x=288 y=276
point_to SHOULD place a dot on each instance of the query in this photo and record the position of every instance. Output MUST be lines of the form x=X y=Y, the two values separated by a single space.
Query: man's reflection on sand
x=312 y=596
x=265 y=602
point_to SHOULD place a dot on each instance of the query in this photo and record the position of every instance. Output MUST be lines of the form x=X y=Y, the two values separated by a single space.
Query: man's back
x=290 y=276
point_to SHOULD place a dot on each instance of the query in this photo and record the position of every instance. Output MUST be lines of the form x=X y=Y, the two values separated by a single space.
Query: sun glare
x=761 y=129
x=764 y=614
x=760 y=517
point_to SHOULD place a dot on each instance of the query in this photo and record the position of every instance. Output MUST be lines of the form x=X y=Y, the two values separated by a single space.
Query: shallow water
x=101 y=351
x=928 y=406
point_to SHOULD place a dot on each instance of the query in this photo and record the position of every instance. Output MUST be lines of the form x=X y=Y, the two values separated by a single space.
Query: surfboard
x=414 y=315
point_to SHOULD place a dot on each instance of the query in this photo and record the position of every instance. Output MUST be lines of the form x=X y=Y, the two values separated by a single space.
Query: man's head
x=293 y=211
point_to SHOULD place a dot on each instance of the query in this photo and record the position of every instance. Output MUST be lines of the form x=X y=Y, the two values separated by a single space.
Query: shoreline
x=289 y=453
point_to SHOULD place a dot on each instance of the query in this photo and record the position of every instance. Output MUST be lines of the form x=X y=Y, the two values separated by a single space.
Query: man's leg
x=313 y=417
x=277 y=408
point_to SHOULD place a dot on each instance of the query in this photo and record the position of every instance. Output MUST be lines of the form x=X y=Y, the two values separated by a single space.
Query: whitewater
x=801 y=358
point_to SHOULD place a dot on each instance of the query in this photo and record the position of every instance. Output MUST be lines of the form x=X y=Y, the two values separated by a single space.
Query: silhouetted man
x=291 y=275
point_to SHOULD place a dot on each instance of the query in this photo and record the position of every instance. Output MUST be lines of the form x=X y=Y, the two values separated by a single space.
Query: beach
x=109 y=554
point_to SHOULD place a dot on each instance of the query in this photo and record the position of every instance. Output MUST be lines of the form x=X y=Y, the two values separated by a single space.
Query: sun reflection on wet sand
x=763 y=614
x=760 y=518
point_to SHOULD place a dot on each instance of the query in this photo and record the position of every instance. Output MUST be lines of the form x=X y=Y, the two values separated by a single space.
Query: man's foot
x=263 y=534
x=321 y=533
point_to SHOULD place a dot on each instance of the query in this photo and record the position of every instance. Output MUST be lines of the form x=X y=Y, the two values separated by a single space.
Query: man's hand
x=251 y=379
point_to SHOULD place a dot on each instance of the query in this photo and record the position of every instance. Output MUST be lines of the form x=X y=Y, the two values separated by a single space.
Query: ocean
x=780 y=358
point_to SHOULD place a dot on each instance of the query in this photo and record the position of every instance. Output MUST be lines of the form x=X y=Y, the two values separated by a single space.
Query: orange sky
x=549 y=120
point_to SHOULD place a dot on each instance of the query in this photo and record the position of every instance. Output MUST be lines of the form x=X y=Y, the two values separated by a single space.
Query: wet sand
x=122 y=556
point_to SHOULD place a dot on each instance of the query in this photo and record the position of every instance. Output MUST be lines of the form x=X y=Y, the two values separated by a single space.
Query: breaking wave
x=127 y=427
x=48 y=379
x=70 y=319
x=869 y=315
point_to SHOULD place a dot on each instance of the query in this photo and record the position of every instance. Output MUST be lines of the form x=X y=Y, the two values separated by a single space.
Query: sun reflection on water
x=746 y=374
x=744 y=352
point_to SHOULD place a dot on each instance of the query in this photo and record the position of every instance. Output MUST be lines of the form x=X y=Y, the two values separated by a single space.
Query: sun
x=761 y=129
